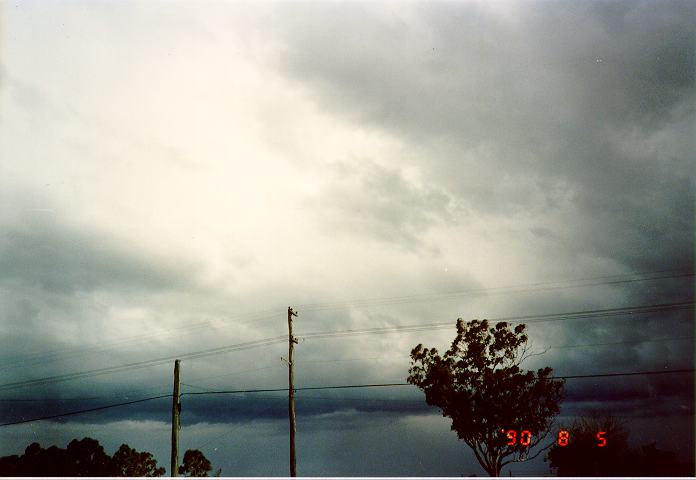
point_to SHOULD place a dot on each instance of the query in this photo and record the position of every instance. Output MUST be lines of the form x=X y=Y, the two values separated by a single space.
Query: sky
x=174 y=175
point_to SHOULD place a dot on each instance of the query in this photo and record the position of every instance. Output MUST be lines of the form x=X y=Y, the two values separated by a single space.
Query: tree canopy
x=128 y=462
x=81 y=458
x=195 y=464
x=479 y=384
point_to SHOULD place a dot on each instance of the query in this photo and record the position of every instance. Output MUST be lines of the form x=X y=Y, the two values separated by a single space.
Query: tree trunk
x=492 y=470
x=492 y=465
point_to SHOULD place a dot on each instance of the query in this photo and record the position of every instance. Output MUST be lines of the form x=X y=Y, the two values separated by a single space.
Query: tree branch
x=541 y=450
x=532 y=457
x=481 y=461
x=528 y=348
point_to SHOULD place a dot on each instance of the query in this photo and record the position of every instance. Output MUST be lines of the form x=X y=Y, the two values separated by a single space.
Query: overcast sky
x=174 y=175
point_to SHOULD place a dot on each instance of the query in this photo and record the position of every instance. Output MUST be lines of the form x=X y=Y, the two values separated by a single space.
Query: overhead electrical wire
x=401 y=384
x=144 y=364
x=344 y=333
x=253 y=317
x=622 y=342
x=131 y=393
x=392 y=357
x=339 y=360
x=611 y=312
x=86 y=410
x=326 y=387
x=71 y=352
x=584 y=345
x=523 y=288
x=628 y=374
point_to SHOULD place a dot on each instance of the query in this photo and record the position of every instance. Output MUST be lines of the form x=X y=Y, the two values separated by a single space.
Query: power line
x=74 y=399
x=376 y=385
x=524 y=288
x=204 y=390
x=604 y=375
x=143 y=364
x=610 y=312
x=86 y=410
x=623 y=342
x=338 y=360
x=610 y=278
x=257 y=316
x=327 y=387
x=70 y=352
x=583 y=314
x=285 y=389
x=131 y=393
x=569 y=346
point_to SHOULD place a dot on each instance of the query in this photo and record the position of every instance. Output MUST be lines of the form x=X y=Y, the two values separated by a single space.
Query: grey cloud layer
x=582 y=110
x=565 y=127
x=45 y=255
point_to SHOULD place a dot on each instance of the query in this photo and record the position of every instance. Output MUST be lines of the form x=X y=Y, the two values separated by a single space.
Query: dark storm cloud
x=58 y=263
x=584 y=109
x=61 y=286
x=17 y=411
x=572 y=119
x=641 y=396
x=462 y=71
x=578 y=117
x=598 y=334
x=630 y=394
x=233 y=408
x=211 y=408
x=56 y=259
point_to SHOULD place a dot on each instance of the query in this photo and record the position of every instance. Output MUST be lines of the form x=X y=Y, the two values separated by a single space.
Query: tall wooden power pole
x=176 y=409
x=291 y=392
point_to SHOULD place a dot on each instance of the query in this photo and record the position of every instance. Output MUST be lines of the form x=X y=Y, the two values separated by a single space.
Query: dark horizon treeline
x=87 y=458
x=583 y=458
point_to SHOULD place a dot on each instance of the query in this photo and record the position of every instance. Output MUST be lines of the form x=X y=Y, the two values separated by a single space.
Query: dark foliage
x=195 y=464
x=582 y=456
x=83 y=458
x=128 y=462
x=479 y=384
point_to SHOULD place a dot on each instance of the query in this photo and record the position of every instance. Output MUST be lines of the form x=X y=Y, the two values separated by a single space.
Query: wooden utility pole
x=176 y=409
x=291 y=392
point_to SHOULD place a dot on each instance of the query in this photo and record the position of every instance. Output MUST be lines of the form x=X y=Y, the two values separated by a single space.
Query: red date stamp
x=524 y=438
